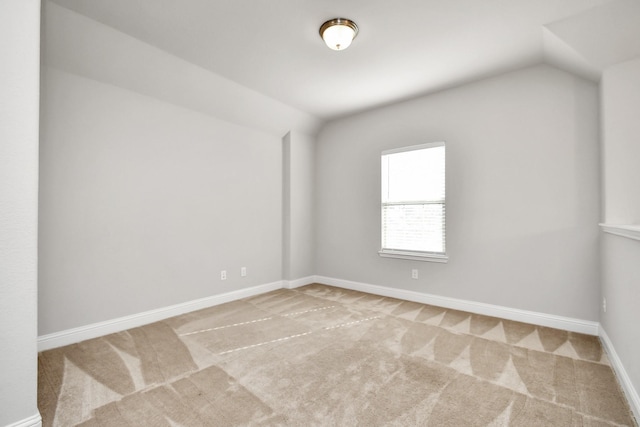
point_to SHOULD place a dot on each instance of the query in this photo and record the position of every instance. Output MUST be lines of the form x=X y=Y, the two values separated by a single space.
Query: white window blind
x=413 y=201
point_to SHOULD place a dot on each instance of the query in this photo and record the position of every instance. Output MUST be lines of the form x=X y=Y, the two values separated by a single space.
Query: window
x=413 y=203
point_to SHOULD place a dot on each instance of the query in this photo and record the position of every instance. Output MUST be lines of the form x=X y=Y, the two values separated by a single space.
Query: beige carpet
x=324 y=356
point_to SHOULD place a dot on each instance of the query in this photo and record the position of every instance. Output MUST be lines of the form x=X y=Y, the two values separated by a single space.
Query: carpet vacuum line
x=326 y=328
x=254 y=321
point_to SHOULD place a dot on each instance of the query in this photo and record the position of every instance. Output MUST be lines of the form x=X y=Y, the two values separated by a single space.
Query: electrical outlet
x=414 y=273
x=604 y=305
x=243 y=271
x=223 y=275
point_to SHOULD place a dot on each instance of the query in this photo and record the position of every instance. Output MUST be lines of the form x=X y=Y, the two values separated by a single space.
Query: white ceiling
x=405 y=48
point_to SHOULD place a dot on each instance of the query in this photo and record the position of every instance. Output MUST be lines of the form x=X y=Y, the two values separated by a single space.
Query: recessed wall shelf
x=631 y=231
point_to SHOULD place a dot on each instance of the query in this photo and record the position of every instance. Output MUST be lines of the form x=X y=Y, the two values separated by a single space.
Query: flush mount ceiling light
x=338 y=33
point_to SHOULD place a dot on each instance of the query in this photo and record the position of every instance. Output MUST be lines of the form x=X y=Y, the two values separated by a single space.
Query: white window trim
x=413 y=148
x=414 y=255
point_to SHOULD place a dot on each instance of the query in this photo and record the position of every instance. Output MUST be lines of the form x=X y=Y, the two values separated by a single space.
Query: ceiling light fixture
x=338 y=33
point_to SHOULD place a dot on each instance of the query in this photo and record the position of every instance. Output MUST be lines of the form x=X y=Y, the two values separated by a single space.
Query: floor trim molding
x=292 y=284
x=71 y=336
x=541 y=319
x=623 y=377
x=34 y=420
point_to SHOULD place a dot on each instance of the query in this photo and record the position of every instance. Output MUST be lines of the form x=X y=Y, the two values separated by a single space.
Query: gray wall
x=621 y=288
x=79 y=45
x=620 y=100
x=298 y=208
x=620 y=255
x=143 y=203
x=148 y=188
x=522 y=192
x=19 y=103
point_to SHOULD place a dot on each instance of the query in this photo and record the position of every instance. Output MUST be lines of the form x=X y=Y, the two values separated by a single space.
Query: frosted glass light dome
x=338 y=33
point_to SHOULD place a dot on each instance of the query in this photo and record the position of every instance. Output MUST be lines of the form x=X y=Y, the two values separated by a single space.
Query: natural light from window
x=413 y=201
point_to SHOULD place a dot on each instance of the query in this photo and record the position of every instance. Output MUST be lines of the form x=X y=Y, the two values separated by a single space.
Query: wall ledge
x=630 y=231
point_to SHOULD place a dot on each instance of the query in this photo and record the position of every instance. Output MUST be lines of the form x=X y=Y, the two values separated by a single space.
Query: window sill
x=628 y=231
x=414 y=256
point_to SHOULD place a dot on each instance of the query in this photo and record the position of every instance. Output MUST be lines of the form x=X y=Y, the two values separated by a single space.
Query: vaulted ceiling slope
x=405 y=48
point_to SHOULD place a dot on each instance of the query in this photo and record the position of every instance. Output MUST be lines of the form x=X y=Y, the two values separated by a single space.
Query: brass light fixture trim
x=342 y=23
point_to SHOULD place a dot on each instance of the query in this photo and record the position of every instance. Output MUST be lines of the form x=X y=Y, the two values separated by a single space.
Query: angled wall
x=156 y=175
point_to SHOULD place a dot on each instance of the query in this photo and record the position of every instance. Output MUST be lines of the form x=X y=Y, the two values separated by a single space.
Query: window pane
x=414 y=227
x=416 y=175
x=413 y=199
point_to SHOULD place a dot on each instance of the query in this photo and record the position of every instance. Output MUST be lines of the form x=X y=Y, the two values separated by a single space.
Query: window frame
x=440 y=257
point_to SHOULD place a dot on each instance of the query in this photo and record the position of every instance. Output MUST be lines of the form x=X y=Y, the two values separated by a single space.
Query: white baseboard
x=71 y=336
x=33 y=421
x=625 y=381
x=292 y=284
x=541 y=319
